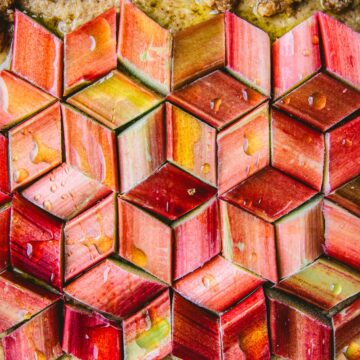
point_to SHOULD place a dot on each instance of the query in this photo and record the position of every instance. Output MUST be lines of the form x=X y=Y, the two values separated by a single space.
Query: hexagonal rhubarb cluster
x=190 y=193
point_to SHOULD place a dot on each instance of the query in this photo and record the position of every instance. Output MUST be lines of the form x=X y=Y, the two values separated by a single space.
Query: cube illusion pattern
x=177 y=205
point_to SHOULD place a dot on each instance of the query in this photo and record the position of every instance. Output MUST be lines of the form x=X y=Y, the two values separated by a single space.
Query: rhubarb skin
x=217 y=98
x=243 y=148
x=196 y=332
x=35 y=242
x=269 y=194
x=343 y=154
x=39 y=337
x=248 y=241
x=244 y=43
x=37 y=54
x=297 y=149
x=35 y=146
x=347 y=332
x=88 y=334
x=341 y=49
x=4 y=169
x=65 y=192
x=245 y=333
x=191 y=144
x=341 y=234
x=142 y=148
x=202 y=286
x=296 y=56
x=90 y=51
x=120 y=290
x=115 y=100
x=322 y=102
x=299 y=237
x=90 y=147
x=144 y=47
x=325 y=284
x=296 y=331
x=147 y=334
x=21 y=300
x=89 y=237
x=197 y=50
x=4 y=235
x=170 y=192
x=19 y=99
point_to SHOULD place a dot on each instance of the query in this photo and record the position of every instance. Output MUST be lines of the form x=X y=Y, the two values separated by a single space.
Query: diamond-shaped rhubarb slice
x=115 y=100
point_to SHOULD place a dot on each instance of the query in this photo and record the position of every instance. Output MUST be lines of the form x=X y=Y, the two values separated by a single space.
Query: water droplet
x=15 y=158
x=53 y=188
x=245 y=94
x=286 y=100
x=254 y=256
x=346 y=142
x=37 y=197
x=95 y=352
x=92 y=43
x=191 y=191
x=315 y=40
x=240 y=246
x=138 y=257
x=87 y=337
x=20 y=175
x=64 y=196
x=62 y=183
x=344 y=91
x=25 y=132
x=215 y=104
x=208 y=280
x=29 y=250
x=317 y=101
x=52 y=277
x=336 y=288
x=106 y=273
x=52 y=177
x=205 y=168
x=147 y=320
x=306 y=52
x=47 y=205
x=251 y=144
x=257 y=81
x=24 y=314
x=352 y=351
x=245 y=202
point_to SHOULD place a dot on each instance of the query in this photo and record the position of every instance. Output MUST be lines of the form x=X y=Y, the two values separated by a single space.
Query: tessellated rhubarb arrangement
x=180 y=193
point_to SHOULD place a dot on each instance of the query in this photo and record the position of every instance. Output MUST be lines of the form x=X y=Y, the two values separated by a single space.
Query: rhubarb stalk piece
x=90 y=147
x=244 y=43
x=271 y=211
x=35 y=146
x=130 y=296
x=115 y=100
x=29 y=320
x=209 y=316
x=146 y=49
x=4 y=230
x=49 y=238
x=90 y=51
x=4 y=168
x=296 y=56
x=19 y=99
x=37 y=54
x=88 y=334
x=342 y=219
x=332 y=288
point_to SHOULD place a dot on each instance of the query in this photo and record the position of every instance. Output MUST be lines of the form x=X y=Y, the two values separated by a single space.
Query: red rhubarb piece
x=321 y=102
x=90 y=51
x=37 y=54
x=4 y=167
x=296 y=56
x=217 y=98
x=170 y=192
x=90 y=147
x=19 y=99
x=87 y=334
x=35 y=146
x=4 y=232
x=244 y=43
x=341 y=49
